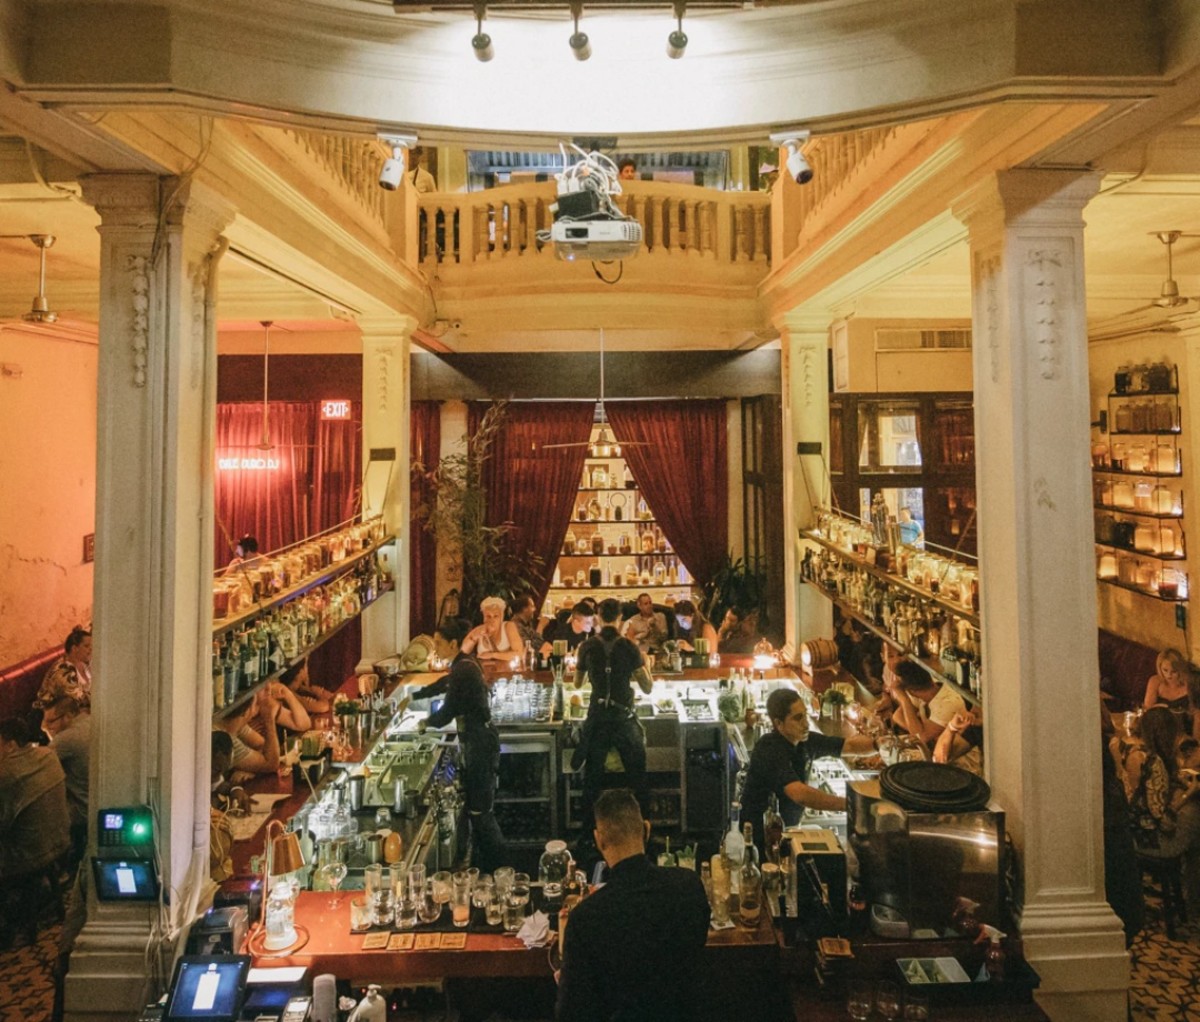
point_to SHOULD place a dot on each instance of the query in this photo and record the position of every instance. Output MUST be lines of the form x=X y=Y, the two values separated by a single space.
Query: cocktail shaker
x=398 y=797
x=356 y=785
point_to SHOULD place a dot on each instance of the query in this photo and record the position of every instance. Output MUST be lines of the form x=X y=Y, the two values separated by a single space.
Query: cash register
x=225 y=988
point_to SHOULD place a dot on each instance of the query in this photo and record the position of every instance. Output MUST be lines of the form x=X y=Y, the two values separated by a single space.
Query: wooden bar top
x=331 y=947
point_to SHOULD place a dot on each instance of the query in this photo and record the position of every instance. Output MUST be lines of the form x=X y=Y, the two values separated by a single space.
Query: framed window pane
x=888 y=437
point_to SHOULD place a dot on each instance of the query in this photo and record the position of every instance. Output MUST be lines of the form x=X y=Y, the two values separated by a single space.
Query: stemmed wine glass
x=334 y=873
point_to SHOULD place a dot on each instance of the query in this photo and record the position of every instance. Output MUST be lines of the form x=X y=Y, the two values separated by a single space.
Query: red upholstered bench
x=1125 y=667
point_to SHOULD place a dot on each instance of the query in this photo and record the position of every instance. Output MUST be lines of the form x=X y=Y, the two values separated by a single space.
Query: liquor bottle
x=218 y=678
x=733 y=850
x=660 y=572
x=772 y=829
x=751 y=848
x=749 y=890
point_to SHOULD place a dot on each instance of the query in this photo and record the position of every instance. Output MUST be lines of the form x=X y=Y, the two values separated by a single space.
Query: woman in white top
x=495 y=639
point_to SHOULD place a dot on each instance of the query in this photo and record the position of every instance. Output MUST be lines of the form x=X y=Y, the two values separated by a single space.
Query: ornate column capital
x=1026 y=198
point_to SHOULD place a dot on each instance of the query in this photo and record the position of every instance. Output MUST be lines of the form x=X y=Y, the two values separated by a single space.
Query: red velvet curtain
x=337 y=470
x=530 y=486
x=263 y=492
x=425 y=447
x=682 y=472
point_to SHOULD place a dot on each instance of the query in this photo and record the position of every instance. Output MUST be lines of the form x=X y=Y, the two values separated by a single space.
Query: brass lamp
x=282 y=857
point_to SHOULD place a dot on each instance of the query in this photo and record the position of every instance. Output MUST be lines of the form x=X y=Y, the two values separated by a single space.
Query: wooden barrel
x=817 y=653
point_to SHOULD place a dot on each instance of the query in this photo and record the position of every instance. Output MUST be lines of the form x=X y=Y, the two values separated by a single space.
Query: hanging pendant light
x=265 y=443
x=40 y=313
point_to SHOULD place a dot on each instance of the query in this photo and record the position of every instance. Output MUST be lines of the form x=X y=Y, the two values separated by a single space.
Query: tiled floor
x=1165 y=986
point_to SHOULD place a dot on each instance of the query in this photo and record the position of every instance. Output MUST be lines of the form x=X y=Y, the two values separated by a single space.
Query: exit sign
x=335 y=409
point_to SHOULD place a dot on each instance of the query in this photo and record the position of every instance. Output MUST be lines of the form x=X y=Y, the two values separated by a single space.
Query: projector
x=599 y=240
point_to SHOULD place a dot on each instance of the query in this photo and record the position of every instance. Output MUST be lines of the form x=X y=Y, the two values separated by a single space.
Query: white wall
x=47 y=485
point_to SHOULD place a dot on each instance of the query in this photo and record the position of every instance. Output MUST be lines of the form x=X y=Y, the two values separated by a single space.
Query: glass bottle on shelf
x=733 y=848
x=772 y=829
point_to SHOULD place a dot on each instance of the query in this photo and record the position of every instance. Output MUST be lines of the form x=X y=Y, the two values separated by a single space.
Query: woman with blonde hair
x=1173 y=686
x=495 y=639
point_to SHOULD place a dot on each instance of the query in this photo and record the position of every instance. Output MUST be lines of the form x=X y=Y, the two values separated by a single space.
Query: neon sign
x=335 y=409
x=248 y=464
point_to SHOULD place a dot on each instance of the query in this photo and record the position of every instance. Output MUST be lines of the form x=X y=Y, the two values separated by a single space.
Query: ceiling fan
x=1169 y=296
x=606 y=444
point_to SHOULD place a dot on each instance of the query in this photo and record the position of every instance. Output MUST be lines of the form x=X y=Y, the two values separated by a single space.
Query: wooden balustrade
x=677 y=220
x=353 y=163
x=834 y=160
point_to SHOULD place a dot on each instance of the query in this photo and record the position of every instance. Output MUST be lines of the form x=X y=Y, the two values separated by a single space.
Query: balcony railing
x=838 y=163
x=677 y=220
x=353 y=164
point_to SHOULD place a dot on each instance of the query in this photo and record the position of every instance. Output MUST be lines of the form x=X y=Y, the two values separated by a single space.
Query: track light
x=481 y=43
x=40 y=313
x=797 y=164
x=580 y=46
x=677 y=41
x=392 y=171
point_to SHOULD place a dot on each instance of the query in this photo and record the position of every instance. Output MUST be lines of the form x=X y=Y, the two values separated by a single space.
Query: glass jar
x=1120 y=452
x=555 y=863
x=1142 y=493
x=1107 y=566
x=1123 y=417
x=1145 y=538
x=1122 y=494
x=1136 y=461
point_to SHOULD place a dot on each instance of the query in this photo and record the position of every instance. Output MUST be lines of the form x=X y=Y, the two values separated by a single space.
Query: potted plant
x=833 y=703
x=737 y=583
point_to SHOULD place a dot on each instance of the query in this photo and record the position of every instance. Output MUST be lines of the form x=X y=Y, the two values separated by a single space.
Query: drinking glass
x=887 y=1000
x=429 y=909
x=441 y=887
x=416 y=876
x=483 y=891
x=720 y=897
x=360 y=915
x=494 y=909
x=514 y=913
x=916 y=1008
x=460 y=900
x=383 y=818
x=333 y=873
x=408 y=900
x=383 y=906
x=858 y=1003
x=504 y=880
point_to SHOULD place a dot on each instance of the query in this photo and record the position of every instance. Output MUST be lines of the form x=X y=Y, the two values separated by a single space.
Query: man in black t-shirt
x=633 y=950
x=781 y=761
x=611 y=663
x=467 y=703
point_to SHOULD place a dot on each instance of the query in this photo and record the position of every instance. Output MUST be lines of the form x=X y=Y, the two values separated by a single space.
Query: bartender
x=782 y=759
x=612 y=741
x=467 y=702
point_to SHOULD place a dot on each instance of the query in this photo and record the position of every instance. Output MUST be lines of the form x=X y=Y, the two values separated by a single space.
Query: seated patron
x=690 y=625
x=647 y=629
x=34 y=820
x=1173 y=686
x=739 y=631
x=577 y=628
x=71 y=674
x=961 y=741
x=633 y=949
x=495 y=639
x=253 y=753
x=220 y=834
x=532 y=628
x=311 y=697
x=923 y=706
x=70 y=731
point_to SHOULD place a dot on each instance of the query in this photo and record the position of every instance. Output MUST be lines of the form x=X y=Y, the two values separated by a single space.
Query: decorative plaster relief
x=1042 y=490
x=808 y=378
x=198 y=275
x=383 y=369
x=1045 y=273
x=139 y=284
x=989 y=277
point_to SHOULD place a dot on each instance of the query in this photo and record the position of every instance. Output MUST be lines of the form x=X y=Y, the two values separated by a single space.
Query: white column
x=386 y=459
x=804 y=343
x=1039 y=587
x=152 y=700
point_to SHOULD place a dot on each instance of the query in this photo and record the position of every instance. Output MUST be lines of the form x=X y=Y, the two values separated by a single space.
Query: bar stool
x=1168 y=873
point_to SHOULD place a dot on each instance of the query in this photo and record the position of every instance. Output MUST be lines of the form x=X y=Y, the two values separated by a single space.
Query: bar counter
x=331 y=947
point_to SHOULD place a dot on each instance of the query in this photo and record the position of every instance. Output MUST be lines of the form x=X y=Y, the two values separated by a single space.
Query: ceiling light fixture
x=798 y=166
x=677 y=41
x=481 y=43
x=40 y=313
x=580 y=46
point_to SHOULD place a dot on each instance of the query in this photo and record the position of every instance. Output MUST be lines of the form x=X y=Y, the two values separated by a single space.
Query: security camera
x=392 y=171
x=797 y=165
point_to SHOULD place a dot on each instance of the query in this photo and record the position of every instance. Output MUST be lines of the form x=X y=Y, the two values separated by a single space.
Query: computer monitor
x=210 y=988
x=125 y=879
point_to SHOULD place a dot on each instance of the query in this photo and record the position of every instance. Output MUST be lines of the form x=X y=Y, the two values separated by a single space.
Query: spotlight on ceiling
x=797 y=164
x=40 y=313
x=481 y=42
x=677 y=41
x=580 y=46
x=392 y=171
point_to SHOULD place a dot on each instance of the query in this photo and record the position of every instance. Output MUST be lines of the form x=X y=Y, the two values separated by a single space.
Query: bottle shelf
x=329 y=574
x=933 y=667
x=248 y=693
x=1172 y=431
x=1144 y=393
x=894 y=581
x=608 y=489
x=1148 y=555
x=615 y=557
x=1110 y=471
x=1161 y=515
x=1130 y=587
x=626 y=522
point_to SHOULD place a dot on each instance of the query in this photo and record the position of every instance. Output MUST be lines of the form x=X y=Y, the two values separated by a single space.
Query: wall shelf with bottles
x=1139 y=531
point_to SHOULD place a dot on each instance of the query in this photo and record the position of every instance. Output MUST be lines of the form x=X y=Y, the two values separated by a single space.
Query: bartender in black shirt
x=633 y=950
x=467 y=702
x=781 y=761
x=611 y=663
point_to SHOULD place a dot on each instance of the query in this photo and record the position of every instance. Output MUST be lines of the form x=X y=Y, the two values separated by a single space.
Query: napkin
x=535 y=931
